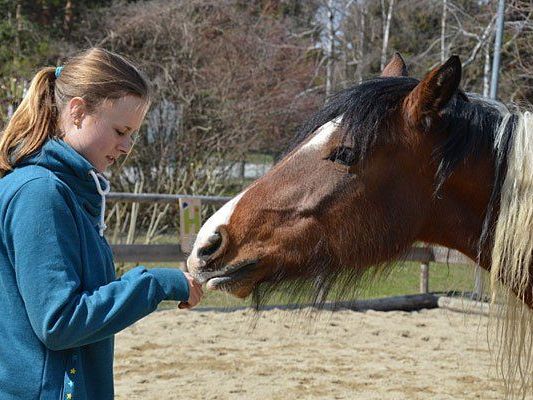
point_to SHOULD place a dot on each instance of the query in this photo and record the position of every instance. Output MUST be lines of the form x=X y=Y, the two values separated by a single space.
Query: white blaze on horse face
x=320 y=138
x=221 y=217
x=322 y=135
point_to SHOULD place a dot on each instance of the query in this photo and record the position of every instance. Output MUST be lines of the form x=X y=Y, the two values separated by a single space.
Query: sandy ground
x=431 y=354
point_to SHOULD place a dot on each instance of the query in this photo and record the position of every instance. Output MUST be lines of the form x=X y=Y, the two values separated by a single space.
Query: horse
x=387 y=163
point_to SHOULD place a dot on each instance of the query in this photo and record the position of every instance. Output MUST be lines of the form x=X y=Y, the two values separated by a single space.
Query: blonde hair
x=512 y=257
x=95 y=75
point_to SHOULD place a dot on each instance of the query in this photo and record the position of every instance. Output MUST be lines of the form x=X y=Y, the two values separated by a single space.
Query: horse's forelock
x=363 y=109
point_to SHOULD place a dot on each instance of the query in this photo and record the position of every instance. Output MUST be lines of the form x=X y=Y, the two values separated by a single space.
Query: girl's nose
x=125 y=145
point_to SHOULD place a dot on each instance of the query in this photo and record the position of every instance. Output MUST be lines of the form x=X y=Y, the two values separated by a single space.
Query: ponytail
x=34 y=121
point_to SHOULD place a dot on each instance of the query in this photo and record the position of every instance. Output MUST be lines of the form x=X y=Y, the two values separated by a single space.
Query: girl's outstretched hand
x=195 y=293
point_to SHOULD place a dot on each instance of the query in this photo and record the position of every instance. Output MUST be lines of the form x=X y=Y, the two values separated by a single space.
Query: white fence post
x=424 y=278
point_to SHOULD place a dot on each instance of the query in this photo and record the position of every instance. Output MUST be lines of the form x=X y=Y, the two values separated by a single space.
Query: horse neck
x=465 y=210
x=462 y=211
x=485 y=208
x=457 y=213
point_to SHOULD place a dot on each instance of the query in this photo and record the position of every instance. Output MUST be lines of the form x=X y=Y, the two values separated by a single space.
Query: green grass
x=403 y=279
x=258 y=158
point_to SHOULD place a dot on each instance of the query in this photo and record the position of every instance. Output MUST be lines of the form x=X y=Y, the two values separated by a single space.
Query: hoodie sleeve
x=43 y=243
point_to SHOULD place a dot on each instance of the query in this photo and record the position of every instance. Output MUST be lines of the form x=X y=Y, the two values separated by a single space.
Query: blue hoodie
x=60 y=303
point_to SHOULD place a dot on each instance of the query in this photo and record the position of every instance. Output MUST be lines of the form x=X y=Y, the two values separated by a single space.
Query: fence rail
x=173 y=253
x=163 y=198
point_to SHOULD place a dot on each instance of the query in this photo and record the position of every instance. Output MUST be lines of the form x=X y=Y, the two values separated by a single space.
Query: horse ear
x=433 y=92
x=396 y=67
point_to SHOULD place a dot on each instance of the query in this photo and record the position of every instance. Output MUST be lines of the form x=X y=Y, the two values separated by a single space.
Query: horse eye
x=343 y=155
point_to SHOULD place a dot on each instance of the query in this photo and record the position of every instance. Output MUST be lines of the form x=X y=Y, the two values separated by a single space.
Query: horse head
x=356 y=190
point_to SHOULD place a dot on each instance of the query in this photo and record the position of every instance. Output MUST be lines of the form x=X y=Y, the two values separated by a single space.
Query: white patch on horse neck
x=322 y=135
x=221 y=217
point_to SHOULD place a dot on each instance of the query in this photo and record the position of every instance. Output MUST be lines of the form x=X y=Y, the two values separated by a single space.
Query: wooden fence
x=173 y=253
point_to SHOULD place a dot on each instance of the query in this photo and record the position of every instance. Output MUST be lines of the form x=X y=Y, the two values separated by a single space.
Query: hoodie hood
x=75 y=171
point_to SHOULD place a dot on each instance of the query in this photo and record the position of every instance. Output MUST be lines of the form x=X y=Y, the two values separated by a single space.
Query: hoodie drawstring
x=102 y=193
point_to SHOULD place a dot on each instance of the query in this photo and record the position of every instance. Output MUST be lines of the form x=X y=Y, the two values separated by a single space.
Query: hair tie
x=58 y=71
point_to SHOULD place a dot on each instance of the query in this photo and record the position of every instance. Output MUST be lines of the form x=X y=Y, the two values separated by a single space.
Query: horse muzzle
x=230 y=278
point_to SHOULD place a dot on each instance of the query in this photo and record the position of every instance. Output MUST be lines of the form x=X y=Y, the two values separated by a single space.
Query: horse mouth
x=234 y=278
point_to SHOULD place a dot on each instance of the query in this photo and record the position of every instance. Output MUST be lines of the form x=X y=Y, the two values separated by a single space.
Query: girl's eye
x=134 y=135
x=343 y=155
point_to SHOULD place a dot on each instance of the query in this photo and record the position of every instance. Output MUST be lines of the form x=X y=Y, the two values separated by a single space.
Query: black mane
x=367 y=108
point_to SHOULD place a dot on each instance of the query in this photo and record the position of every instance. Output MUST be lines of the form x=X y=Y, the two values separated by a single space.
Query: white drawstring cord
x=102 y=193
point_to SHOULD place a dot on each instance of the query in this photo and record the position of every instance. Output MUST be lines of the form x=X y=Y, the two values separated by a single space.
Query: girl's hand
x=195 y=293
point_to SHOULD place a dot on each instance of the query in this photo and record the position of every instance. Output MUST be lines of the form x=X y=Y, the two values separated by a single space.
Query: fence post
x=424 y=278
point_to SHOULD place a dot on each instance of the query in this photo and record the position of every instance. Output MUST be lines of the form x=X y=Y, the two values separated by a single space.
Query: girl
x=60 y=303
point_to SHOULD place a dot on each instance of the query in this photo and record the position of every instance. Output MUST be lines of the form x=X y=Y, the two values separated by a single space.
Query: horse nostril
x=215 y=240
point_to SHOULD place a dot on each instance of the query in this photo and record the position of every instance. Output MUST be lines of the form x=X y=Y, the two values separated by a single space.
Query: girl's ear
x=432 y=94
x=77 y=109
